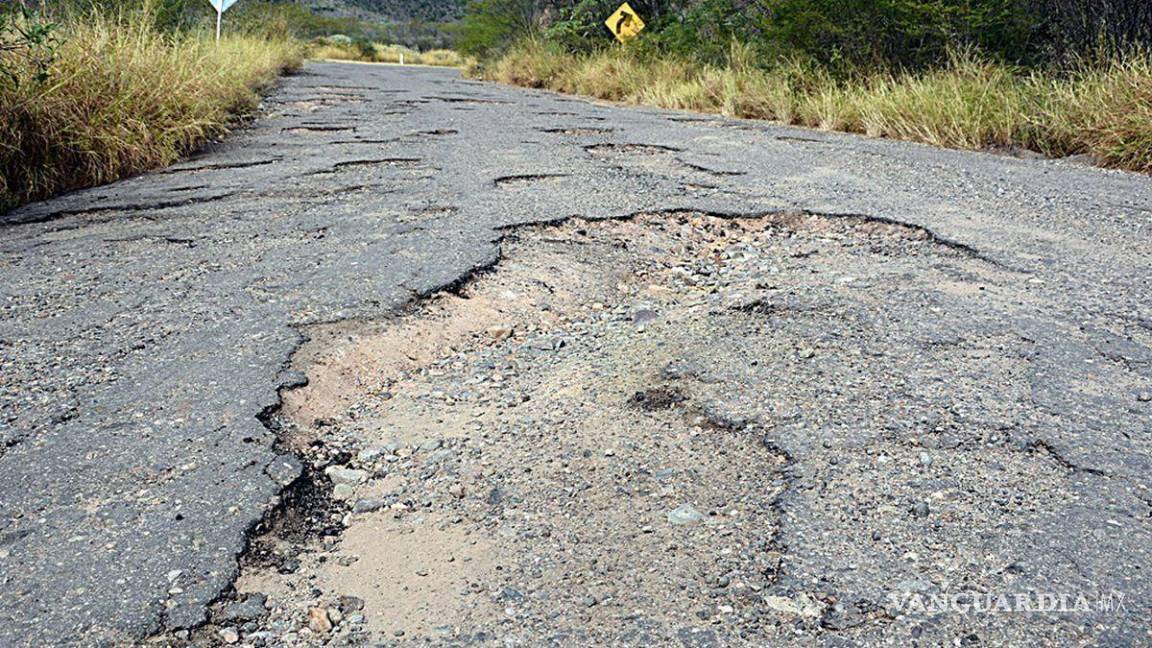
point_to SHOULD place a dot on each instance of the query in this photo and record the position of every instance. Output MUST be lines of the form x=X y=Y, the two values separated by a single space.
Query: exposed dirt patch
x=597 y=442
x=410 y=572
x=316 y=104
x=658 y=398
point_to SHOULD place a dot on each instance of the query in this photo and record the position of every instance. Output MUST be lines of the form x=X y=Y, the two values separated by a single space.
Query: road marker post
x=625 y=23
x=221 y=6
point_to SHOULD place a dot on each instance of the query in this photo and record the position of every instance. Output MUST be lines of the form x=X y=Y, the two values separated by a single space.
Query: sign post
x=625 y=23
x=221 y=6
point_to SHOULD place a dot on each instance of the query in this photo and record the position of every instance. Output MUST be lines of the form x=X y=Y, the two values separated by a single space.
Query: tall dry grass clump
x=121 y=97
x=1104 y=110
x=532 y=64
x=970 y=104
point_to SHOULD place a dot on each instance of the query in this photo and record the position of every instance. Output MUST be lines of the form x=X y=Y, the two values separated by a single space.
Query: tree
x=28 y=43
x=489 y=26
x=1095 y=26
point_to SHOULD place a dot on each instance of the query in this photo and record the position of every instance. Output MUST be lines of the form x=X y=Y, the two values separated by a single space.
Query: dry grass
x=379 y=53
x=123 y=98
x=1102 y=110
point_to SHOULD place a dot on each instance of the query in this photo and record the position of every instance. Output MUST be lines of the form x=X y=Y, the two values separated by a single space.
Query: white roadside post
x=221 y=6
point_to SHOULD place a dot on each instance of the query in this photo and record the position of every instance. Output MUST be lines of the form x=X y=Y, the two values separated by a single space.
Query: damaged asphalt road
x=147 y=327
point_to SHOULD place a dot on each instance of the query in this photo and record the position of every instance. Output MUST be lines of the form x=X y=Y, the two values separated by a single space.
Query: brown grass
x=380 y=53
x=122 y=98
x=1101 y=110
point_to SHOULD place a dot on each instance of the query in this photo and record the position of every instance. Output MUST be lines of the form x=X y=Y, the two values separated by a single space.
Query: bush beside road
x=1102 y=111
x=111 y=94
x=343 y=48
x=1037 y=77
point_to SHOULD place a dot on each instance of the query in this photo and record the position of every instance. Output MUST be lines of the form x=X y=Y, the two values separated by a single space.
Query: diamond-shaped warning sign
x=625 y=23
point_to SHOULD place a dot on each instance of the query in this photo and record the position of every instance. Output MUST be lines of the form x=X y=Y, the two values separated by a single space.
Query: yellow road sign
x=625 y=23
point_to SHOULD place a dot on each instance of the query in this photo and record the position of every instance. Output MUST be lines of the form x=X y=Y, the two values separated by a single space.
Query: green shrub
x=28 y=43
x=490 y=26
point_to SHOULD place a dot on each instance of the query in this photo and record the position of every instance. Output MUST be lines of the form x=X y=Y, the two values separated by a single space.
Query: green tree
x=28 y=42
x=490 y=26
x=904 y=33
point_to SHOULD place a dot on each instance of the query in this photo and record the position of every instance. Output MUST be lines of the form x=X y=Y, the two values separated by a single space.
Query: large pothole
x=593 y=442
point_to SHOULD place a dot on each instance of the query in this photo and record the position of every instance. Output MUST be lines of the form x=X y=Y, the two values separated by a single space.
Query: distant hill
x=399 y=11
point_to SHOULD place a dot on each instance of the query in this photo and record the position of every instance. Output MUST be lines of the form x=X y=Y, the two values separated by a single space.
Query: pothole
x=606 y=150
x=398 y=162
x=196 y=168
x=315 y=104
x=469 y=100
x=661 y=160
x=579 y=444
x=577 y=130
x=710 y=171
x=435 y=132
x=658 y=398
x=369 y=166
x=520 y=181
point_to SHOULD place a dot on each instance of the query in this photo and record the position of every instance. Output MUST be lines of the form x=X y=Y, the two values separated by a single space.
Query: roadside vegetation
x=422 y=42
x=343 y=48
x=1056 y=77
x=91 y=94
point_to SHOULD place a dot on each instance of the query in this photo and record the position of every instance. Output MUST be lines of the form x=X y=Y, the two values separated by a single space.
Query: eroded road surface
x=420 y=360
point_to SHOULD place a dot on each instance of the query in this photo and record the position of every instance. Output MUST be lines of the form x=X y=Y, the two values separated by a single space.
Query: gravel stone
x=684 y=514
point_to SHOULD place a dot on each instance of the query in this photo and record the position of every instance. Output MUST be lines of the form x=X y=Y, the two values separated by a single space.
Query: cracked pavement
x=146 y=328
